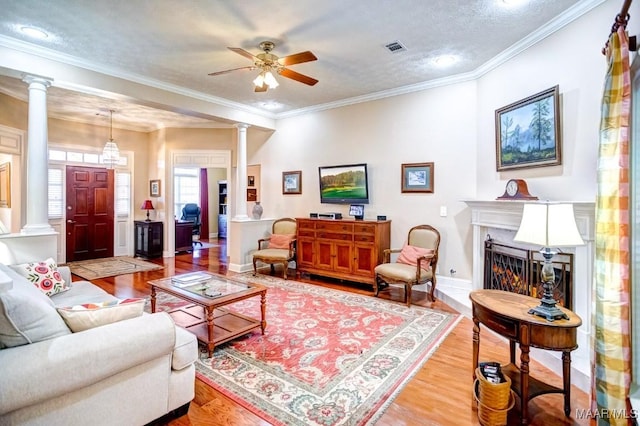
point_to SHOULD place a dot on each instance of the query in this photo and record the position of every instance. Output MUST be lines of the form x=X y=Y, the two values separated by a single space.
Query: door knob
x=71 y=221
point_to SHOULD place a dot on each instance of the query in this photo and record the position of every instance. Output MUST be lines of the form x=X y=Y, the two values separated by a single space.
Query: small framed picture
x=417 y=177
x=292 y=182
x=251 y=181
x=154 y=187
x=252 y=194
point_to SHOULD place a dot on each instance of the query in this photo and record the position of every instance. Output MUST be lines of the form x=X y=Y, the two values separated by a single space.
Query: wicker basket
x=494 y=400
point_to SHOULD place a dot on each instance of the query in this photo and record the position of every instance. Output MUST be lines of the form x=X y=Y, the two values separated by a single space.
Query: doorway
x=89 y=213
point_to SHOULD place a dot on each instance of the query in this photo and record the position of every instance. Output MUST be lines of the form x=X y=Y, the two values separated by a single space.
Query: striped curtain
x=612 y=358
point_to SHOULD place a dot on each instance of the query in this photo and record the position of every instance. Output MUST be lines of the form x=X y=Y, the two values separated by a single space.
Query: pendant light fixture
x=110 y=153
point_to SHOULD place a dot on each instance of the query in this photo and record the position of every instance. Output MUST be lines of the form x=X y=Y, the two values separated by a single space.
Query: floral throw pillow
x=410 y=254
x=89 y=315
x=43 y=275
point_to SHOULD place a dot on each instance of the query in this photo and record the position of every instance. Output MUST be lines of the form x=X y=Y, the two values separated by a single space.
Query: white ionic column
x=241 y=170
x=37 y=154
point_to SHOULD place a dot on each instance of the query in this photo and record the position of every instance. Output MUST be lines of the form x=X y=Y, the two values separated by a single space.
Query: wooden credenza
x=344 y=249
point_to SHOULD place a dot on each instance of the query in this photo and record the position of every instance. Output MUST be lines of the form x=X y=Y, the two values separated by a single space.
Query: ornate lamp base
x=550 y=313
x=547 y=308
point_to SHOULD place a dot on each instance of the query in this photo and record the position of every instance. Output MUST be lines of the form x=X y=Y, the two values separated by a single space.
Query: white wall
x=570 y=58
x=431 y=126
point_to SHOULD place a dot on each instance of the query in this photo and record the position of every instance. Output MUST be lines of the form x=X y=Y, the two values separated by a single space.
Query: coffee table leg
x=210 y=344
x=263 y=310
x=153 y=299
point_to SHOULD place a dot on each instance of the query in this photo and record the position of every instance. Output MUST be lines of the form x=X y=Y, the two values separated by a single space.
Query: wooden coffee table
x=204 y=315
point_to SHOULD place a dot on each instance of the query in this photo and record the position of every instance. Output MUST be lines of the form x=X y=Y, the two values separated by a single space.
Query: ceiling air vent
x=395 y=47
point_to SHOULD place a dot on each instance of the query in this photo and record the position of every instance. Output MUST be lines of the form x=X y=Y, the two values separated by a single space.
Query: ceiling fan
x=268 y=63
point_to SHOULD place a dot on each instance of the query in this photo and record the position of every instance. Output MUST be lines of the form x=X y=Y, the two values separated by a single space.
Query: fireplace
x=517 y=270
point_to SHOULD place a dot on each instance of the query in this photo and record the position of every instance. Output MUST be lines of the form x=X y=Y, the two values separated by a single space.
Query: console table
x=340 y=248
x=507 y=314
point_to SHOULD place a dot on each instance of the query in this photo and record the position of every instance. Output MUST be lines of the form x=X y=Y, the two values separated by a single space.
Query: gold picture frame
x=5 y=185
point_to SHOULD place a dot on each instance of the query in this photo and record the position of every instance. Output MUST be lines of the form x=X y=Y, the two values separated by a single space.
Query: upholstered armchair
x=280 y=247
x=415 y=264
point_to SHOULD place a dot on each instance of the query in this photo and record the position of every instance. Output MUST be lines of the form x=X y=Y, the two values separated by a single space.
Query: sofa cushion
x=81 y=292
x=44 y=275
x=90 y=315
x=410 y=254
x=27 y=315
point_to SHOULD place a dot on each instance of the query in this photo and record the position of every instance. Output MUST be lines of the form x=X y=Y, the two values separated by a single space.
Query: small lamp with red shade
x=147 y=205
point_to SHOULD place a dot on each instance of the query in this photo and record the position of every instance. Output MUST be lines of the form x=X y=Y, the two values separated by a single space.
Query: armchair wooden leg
x=432 y=293
x=285 y=266
x=376 y=286
x=255 y=270
x=407 y=294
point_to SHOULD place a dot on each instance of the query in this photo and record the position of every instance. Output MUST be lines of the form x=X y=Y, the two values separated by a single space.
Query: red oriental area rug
x=327 y=357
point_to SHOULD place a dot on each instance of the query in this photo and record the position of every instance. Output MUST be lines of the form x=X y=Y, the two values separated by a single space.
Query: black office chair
x=191 y=213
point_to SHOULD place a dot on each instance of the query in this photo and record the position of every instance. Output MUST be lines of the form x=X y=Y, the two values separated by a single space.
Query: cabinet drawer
x=306 y=224
x=364 y=229
x=501 y=325
x=333 y=236
x=335 y=227
x=359 y=238
x=303 y=232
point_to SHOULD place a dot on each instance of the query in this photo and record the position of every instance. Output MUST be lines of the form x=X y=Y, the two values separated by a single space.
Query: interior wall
x=570 y=58
x=436 y=126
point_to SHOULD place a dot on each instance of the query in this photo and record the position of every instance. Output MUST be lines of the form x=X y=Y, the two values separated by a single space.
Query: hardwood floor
x=439 y=394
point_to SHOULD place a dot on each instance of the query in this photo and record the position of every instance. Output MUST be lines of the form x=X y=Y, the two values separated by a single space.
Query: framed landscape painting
x=528 y=132
x=417 y=177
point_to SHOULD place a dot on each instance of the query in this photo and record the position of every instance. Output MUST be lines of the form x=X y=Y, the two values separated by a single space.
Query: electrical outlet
x=443 y=211
x=452 y=272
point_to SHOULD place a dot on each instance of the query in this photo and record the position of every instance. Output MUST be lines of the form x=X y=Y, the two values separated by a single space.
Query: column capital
x=32 y=78
x=242 y=125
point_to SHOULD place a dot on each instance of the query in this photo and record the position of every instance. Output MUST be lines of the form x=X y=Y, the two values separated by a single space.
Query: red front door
x=89 y=213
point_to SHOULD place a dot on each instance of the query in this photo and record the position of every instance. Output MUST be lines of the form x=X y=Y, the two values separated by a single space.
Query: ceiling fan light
x=259 y=81
x=270 y=80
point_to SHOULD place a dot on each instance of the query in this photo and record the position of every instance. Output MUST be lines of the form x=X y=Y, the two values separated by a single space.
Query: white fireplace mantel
x=503 y=217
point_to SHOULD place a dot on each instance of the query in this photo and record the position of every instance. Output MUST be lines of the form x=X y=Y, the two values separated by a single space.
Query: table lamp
x=549 y=225
x=147 y=205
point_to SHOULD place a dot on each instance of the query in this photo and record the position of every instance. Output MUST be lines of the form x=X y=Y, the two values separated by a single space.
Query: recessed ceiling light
x=34 y=32
x=445 y=60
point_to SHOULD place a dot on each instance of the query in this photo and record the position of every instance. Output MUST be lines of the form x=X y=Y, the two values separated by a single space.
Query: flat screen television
x=348 y=184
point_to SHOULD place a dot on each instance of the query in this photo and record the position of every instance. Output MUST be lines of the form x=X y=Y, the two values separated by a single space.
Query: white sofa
x=129 y=372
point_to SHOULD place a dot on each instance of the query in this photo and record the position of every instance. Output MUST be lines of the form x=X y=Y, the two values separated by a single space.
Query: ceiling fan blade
x=298 y=58
x=262 y=88
x=285 y=72
x=242 y=52
x=251 y=67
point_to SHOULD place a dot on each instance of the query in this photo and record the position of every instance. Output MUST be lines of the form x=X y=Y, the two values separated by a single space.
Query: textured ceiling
x=176 y=44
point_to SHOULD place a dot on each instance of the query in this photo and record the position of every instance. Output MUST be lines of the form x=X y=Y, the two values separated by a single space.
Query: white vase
x=257 y=210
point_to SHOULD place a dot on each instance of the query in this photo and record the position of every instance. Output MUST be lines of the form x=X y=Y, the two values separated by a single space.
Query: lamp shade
x=549 y=225
x=147 y=205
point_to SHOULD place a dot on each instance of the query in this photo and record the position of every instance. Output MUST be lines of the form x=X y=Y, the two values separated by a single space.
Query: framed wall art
x=417 y=177
x=528 y=132
x=252 y=194
x=154 y=187
x=292 y=182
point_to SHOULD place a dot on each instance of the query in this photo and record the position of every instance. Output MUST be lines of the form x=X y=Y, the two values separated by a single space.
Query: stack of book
x=191 y=278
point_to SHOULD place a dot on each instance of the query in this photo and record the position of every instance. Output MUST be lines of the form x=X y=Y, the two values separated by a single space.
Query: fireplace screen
x=518 y=270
